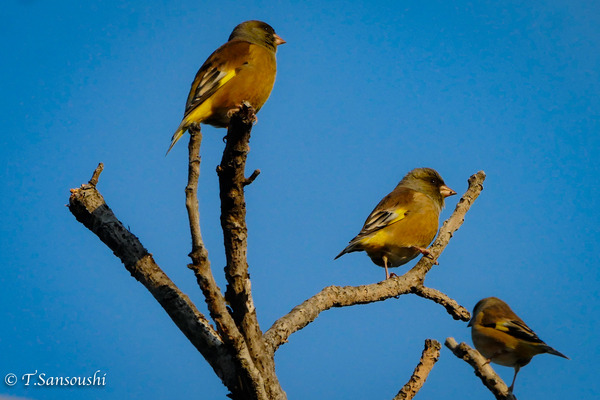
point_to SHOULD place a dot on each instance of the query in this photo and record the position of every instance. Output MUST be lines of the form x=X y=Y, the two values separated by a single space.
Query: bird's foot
x=426 y=253
x=422 y=250
x=244 y=108
x=232 y=111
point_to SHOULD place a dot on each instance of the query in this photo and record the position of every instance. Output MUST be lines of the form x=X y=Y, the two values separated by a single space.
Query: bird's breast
x=252 y=83
x=397 y=241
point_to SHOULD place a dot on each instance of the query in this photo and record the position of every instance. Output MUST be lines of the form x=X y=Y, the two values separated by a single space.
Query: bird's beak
x=278 y=39
x=446 y=191
x=470 y=323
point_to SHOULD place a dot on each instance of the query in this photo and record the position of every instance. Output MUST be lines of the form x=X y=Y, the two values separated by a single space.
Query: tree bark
x=430 y=355
x=239 y=353
x=250 y=382
x=89 y=208
x=482 y=368
x=232 y=182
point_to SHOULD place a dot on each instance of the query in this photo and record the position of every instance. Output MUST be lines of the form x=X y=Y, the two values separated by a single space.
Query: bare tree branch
x=429 y=357
x=412 y=281
x=252 y=380
x=452 y=224
x=238 y=352
x=482 y=369
x=233 y=221
x=334 y=296
x=252 y=177
x=199 y=255
x=96 y=175
x=232 y=181
x=89 y=208
x=457 y=311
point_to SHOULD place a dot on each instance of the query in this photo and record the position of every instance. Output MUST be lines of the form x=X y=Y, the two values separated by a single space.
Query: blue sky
x=364 y=93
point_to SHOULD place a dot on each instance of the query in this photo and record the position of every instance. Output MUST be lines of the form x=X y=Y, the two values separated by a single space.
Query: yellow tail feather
x=176 y=136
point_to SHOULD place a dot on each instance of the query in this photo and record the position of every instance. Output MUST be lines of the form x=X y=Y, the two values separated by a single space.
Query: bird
x=242 y=71
x=404 y=222
x=503 y=338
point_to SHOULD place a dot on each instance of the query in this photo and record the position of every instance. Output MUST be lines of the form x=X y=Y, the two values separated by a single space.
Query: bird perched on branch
x=405 y=222
x=503 y=338
x=240 y=71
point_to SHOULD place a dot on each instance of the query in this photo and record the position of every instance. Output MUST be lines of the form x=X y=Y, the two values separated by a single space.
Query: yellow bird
x=503 y=338
x=405 y=222
x=242 y=70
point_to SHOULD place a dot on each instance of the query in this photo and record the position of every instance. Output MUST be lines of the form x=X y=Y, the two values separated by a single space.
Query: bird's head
x=429 y=182
x=257 y=32
x=489 y=304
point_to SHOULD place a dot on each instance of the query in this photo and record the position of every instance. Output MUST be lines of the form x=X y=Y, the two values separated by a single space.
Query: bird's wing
x=519 y=330
x=379 y=219
x=392 y=208
x=514 y=327
x=222 y=65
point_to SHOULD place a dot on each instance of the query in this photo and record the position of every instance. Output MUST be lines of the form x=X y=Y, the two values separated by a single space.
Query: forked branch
x=252 y=382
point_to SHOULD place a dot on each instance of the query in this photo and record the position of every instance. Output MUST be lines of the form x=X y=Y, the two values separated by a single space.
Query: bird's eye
x=434 y=181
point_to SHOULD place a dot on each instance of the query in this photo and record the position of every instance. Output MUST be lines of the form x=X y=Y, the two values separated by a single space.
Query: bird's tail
x=550 y=350
x=177 y=135
x=341 y=253
x=349 y=249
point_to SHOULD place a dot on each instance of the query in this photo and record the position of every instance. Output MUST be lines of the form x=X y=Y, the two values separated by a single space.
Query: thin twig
x=429 y=357
x=457 y=311
x=252 y=177
x=452 y=224
x=482 y=368
x=199 y=254
x=96 y=175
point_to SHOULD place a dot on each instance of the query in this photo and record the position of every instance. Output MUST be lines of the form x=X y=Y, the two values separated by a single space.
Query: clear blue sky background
x=365 y=92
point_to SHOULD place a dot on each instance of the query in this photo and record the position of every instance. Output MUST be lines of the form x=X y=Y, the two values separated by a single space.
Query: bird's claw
x=244 y=105
x=426 y=253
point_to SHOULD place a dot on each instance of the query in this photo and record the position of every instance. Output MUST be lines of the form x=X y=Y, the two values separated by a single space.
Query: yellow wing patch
x=379 y=238
x=401 y=214
x=374 y=232
x=203 y=107
x=204 y=88
x=226 y=78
